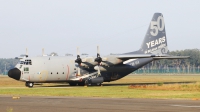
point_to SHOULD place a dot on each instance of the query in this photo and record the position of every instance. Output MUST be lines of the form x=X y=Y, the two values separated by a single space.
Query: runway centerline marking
x=186 y=106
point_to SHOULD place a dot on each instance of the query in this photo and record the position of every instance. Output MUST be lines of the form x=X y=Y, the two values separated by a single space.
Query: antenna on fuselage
x=42 y=51
x=26 y=52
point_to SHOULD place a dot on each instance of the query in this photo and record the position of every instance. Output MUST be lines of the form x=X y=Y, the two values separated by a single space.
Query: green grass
x=105 y=91
x=9 y=109
x=12 y=87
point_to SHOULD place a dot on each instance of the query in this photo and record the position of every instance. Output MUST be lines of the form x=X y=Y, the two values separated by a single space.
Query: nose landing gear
x=29 y=84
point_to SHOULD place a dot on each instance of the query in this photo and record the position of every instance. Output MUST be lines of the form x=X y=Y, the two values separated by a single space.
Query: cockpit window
x=26 y=62
x=21 y=62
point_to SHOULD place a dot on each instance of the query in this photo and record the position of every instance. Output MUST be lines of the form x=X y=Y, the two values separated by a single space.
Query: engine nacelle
x=88 y=62
x=111 y=60
x=106 y=61
x=97 y=80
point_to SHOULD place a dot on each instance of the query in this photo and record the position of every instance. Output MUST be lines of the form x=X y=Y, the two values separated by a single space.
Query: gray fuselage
x=63 y=69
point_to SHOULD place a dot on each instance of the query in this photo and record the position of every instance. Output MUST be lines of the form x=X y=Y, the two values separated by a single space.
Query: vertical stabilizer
x=155 y=41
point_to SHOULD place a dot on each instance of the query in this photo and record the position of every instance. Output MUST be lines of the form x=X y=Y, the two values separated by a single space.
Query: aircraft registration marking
x=132 y=62
x=128 y=61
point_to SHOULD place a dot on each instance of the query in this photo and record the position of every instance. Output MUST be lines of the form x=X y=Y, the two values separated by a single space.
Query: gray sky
x=117 y=26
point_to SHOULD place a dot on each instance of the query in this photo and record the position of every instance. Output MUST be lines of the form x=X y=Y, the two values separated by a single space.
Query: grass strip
x=106 y=92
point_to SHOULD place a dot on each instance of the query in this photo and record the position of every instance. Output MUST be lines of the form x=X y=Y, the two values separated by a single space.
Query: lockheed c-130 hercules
x=95 y=70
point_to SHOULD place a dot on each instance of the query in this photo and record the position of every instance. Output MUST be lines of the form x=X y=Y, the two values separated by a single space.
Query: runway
x=76 y=104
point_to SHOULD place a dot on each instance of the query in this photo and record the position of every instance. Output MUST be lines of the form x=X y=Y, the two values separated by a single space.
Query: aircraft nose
x=14 y=73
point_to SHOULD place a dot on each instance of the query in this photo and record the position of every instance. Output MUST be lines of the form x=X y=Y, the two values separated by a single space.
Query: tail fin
x=155 y=41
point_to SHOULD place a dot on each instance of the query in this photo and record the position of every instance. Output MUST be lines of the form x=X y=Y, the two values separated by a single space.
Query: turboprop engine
x=97 y=62
x=111 y=60
x=106 y=61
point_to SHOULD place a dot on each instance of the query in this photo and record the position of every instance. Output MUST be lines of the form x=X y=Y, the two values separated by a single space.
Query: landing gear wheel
x=86 y=83
x=29 y=84
x=98 y=84
x=72 y=83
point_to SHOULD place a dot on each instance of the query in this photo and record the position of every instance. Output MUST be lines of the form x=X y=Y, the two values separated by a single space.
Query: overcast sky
x=117 y=26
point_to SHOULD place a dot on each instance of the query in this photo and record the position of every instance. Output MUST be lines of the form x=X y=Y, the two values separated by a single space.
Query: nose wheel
x=29 y=84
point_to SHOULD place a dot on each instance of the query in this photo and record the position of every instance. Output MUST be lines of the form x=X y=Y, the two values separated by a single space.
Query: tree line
x=179 y=65
x=7 y=64
x=190 y=65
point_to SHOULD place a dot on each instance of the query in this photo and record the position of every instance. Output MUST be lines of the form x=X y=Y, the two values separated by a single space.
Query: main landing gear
x=29 y=84
x=84 y=83
x=77 y=83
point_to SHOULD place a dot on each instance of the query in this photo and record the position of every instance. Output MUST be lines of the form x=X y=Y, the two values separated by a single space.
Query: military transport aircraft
x=94 y=70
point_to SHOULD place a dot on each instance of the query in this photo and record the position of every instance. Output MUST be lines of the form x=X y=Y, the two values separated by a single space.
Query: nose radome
x=14 y=73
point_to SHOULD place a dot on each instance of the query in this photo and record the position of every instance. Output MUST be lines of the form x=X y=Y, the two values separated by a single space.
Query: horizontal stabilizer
x=135 y=56
x=131 y=56
x=172 y=57
x=164 y=56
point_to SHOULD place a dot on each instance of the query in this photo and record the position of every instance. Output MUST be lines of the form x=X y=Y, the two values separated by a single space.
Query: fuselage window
x=21 y=62
x=51 y=72
x=63 y=72
x=57 y=72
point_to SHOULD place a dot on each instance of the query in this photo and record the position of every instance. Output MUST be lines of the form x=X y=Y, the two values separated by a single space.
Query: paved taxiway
x=75 y=104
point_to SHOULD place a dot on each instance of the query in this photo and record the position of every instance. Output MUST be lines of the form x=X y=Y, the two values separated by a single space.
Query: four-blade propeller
x=79 y=61
x=98 y=59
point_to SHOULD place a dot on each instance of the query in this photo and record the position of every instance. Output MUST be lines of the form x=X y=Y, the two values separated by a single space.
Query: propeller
x=79 y=61
x=98 y=60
